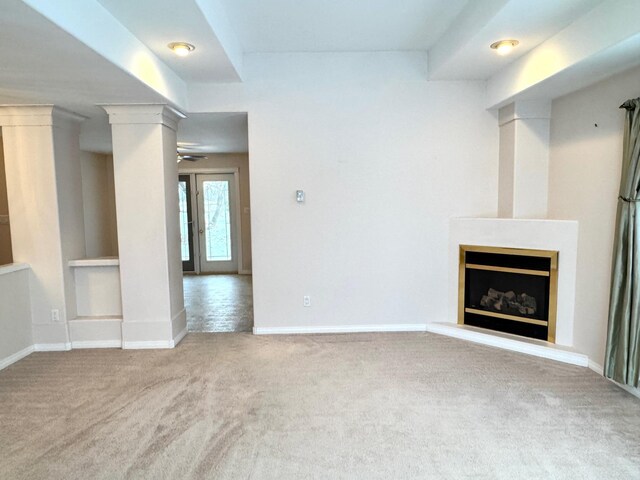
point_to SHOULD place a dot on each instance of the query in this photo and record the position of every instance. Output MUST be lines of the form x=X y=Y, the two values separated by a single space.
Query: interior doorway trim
x=237 y=209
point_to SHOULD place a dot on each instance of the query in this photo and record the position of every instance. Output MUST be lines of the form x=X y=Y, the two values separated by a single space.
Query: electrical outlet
x=306 y=301
x=55 y=315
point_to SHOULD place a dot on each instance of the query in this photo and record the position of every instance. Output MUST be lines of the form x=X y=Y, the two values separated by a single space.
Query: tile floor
x=219 y=303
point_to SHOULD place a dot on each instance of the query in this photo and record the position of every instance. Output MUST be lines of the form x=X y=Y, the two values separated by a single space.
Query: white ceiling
x=76 y=59
x=340 y=25
x=531 y=23
x=456 y=33
x=159 y=22
x=40 y=63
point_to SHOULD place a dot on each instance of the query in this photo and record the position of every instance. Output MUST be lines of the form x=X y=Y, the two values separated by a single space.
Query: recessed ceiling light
x=182 y=49
x=504 y=46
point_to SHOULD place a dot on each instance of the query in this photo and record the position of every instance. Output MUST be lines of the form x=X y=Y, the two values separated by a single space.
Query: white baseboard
x=144 y=345
x=599 y=369
x=52 y=347
x=627 y=388
x=633 y=391
x=178 y=338
x=11 y=359
x=180 y=316
x=410 y=327
x=96 y=344
x=96 y=332
x=113 y=344
x=505 y=341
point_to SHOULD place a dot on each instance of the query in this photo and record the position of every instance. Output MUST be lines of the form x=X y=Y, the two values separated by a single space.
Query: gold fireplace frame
x=553 y=283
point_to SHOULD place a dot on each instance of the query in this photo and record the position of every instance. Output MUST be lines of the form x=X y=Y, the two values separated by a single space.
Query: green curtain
x=622 y=360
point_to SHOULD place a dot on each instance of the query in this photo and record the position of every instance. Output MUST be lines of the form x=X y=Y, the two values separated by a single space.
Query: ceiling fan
x=183 y=152
x=189 y=157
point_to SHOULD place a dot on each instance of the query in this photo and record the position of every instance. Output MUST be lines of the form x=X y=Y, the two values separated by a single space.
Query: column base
x=167 y=334
x=51 y=337
x=96 y=332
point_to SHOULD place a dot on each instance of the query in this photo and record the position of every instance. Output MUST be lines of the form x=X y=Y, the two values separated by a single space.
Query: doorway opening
x=6 y=252
x=215 y=223
x=213 y=237
x=186 y=223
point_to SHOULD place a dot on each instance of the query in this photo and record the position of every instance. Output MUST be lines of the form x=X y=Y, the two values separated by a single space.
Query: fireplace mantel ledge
x=509 y=219
x=515 y=343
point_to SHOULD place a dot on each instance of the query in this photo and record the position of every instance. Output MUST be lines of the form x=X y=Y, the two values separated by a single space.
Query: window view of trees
x=184 y=221
x=217 y=218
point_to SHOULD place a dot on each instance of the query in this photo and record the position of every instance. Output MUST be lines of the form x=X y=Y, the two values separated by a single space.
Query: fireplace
x=510 y=290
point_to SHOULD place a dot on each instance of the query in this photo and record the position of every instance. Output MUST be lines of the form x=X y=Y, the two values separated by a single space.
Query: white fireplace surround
x=522 y=192
x=560 y=235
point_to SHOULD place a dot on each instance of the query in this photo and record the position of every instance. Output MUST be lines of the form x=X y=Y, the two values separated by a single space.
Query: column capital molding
x=523 y=110
x=144 y=113
x=36 y=115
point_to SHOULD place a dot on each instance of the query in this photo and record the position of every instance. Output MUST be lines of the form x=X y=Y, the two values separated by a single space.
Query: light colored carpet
x=368 y=406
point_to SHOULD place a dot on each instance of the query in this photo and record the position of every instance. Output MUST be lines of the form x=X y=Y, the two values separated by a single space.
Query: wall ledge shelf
x=13 y=267
x=98 y=318
x=95 y=262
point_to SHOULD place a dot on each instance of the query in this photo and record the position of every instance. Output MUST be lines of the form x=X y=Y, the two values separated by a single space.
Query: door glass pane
x=217 y=219
x=184 y=221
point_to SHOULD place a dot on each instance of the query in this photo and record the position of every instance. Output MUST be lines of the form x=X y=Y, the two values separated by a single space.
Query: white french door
x=217 y=223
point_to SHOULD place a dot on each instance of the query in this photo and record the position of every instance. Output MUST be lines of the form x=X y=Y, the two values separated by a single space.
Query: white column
x=146 y=186
x=44 y=187
x=523 y=183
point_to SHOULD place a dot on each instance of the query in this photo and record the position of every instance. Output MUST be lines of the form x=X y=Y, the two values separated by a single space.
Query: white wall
x=583 y=185
x=98 y=288
x=172 y=225
x=99 y=302
x=45 y=199
x=385 y=158
x=99 y=205
x=506 y=169
x=15 y=314
x=70 y=205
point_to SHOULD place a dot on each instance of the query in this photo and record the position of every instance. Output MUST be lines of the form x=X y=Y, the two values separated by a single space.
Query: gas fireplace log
x=509 y=302
x=487 y=301
x=495 y=294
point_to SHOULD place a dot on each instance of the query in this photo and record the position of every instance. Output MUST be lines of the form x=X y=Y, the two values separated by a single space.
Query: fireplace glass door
x=509 y=290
